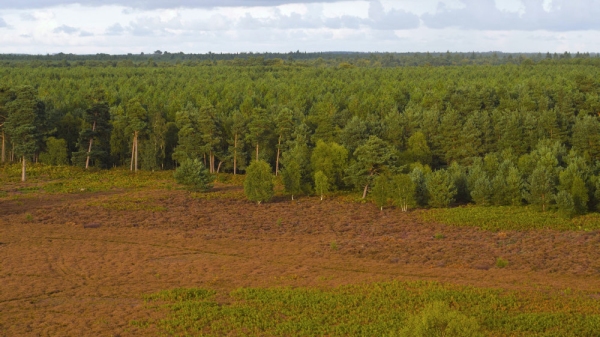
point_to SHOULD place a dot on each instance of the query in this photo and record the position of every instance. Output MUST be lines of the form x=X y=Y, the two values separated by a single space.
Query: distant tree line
x=414 y=136
x=298 y=59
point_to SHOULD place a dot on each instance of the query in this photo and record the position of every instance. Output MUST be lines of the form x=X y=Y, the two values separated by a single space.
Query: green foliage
x=331 y=159
x=381 y=190
x=372 y=158
x=437 y=319
x=418 y=150
x=380 y=309
x=291 y=177
x=501 y=263
x=441 y=189
x=482 y=191
x=541 y=187
x=56 y=152
x=403 y=191
x=194 y=175
x=418 y=177
x=258 y=185
x=321 y=184
x=502 y=218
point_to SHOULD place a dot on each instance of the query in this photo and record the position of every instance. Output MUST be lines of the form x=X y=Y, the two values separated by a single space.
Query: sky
x=229 y=26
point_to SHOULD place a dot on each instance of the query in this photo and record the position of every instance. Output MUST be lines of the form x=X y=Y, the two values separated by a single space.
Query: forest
x=515 y=131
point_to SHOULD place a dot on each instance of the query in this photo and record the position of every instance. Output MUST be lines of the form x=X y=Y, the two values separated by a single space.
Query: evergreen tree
x=418 y=177
x=259 y=128
x=291 y=177
x=541 y=187
x=403 y=191
x=20 y=125
x=321 y=184
x=514 y=187
x=565 y=204
x=136 y=117
x=194 y=175
x=284 y=124
x=482 y=191
x=586 y=136
x=97 y=130
x=189 y=144
x=236 y=148
x=418 y=150
x=441 y=189
x=372 y=158
x=258 y=185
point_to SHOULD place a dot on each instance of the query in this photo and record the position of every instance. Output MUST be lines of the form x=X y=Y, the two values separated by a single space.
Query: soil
x=77 y=265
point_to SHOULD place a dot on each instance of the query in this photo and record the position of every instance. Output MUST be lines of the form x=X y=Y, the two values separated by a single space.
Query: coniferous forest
x=426 y=130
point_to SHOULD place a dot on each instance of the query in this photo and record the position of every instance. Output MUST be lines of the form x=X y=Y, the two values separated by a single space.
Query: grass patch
x=70 y=179
x=509 y=218
x=381 y=309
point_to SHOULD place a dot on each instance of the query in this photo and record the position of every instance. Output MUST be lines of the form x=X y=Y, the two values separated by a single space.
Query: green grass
x=381 y=309
x=69 y=179
x=509 y=218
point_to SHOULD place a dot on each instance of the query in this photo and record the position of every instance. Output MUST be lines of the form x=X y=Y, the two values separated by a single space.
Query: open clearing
x=79 y=264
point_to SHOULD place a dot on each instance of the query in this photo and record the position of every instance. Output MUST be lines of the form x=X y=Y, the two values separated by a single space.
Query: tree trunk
x=23 y=170
x=87 y=160
x=3 y=147
x=235 y=154
x=365 y=191
x=136 y=151
x=132 y=153
x=277 y=161
x=219 y=167
x=256 y=151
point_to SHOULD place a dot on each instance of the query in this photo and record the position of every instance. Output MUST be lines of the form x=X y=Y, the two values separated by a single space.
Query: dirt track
x=59 y=278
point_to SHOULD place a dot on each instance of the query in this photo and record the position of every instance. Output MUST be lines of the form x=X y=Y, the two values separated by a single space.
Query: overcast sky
x=199 y=26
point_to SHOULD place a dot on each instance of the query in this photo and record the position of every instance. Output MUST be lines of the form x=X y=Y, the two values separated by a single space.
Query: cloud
x=66 y=29
x=154 y=4
x=394 y=19
x=115 y=29
x=561 y=15
x=71 y=31
x=3 y=23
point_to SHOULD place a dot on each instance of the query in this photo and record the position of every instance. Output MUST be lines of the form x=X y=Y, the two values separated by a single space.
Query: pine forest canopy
x=517 y=128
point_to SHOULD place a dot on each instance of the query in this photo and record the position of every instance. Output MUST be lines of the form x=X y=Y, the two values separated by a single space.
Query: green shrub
x=437 y=319
x=258 y=185
x=501 y=263
x=194 y=175
x=56 y=152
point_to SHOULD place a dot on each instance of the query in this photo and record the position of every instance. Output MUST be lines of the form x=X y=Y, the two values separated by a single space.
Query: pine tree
x=441 y=189
x=136 y=117
x=482 y=191
x=21 y=123
x=541 y=187
x=291 y=177
x=514 y=187
x=194 y=175
x=372 y=158
x=321 y=184
x=97 y=130
x=418 y=177
x=258 y=185
x=418 y=150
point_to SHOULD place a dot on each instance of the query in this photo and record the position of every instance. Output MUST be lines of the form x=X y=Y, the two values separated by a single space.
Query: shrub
x=437 y=319
x=501 y=263
x=56 y=152
x=259 y=185
x=194 y=175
